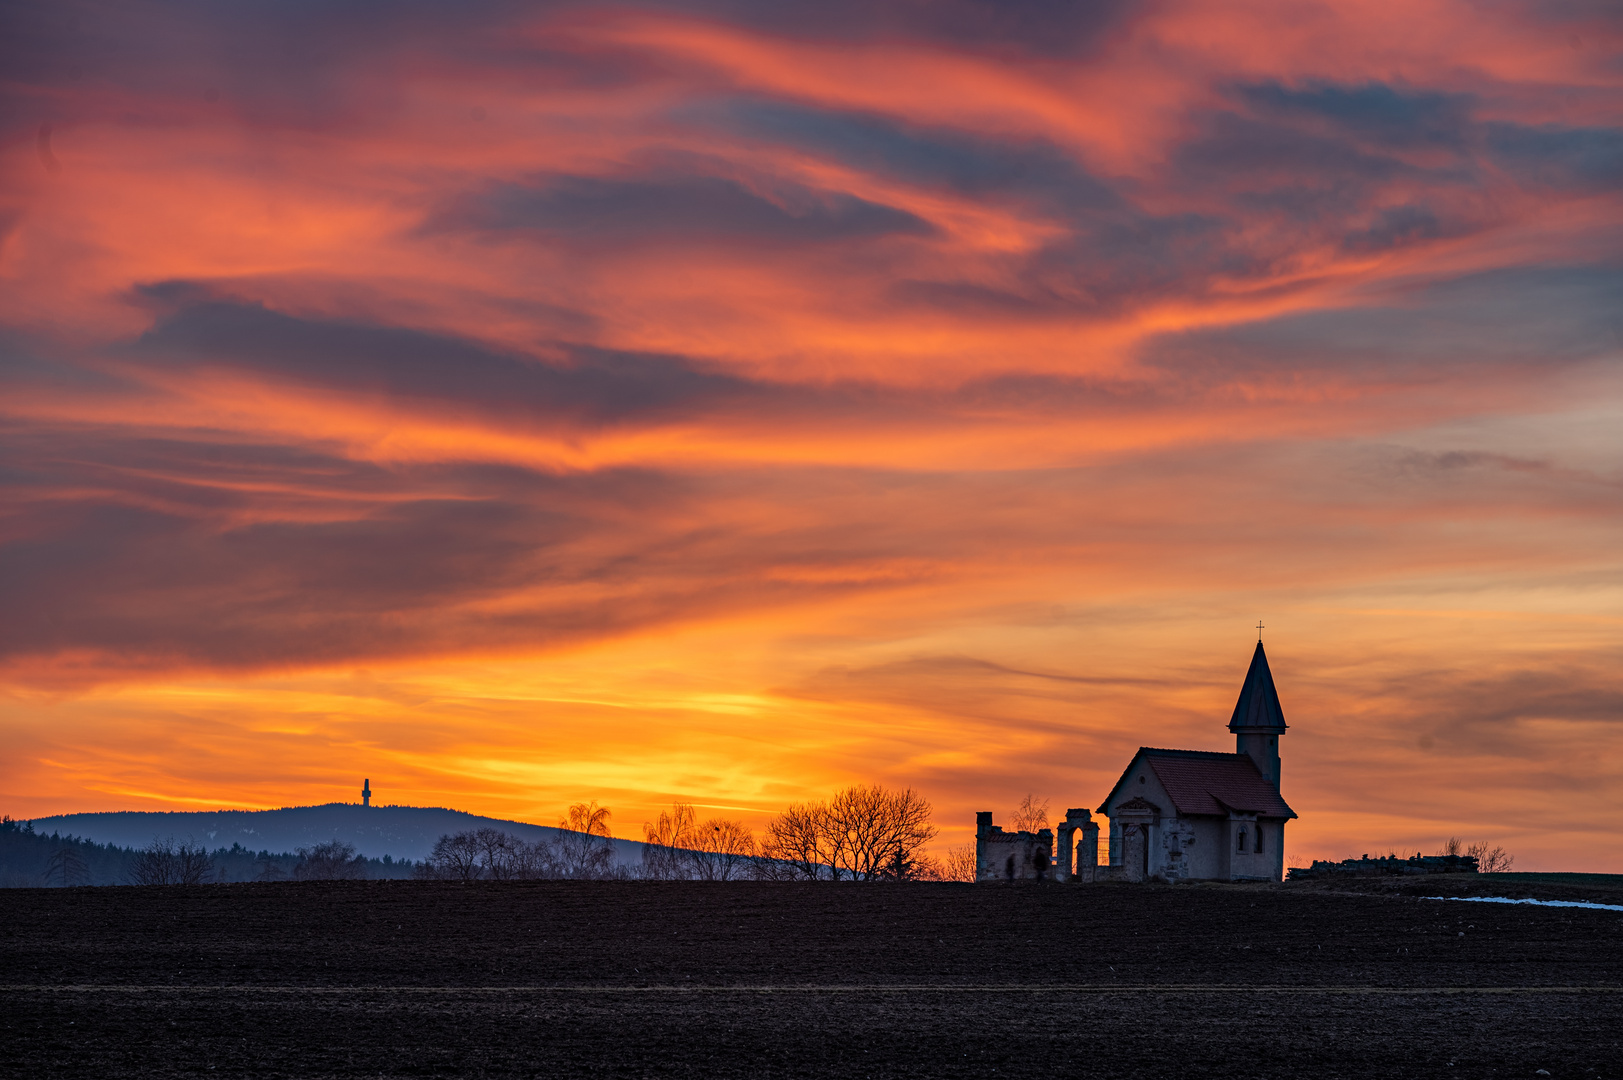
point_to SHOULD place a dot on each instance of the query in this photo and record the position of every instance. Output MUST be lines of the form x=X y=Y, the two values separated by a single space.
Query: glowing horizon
x=695 y=401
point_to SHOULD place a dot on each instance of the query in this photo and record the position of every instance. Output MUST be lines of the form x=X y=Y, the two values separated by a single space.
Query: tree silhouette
x=585 y=848
x=455 y=858
x=876 y=829
x=865 y=833
x=1489 y=860
x=724 y=850
x=334 y=860
x=67 y=867
x=164 y=862
x=960 y=863
x=799 y=844
x=666 y=842
x=501 y=855
x=1031 y=815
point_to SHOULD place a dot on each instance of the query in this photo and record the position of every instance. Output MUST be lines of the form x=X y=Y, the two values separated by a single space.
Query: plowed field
x=402 y=979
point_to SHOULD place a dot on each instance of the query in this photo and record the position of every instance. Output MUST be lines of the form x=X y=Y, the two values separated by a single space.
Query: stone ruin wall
x=1026 y=856
x=1017 y=856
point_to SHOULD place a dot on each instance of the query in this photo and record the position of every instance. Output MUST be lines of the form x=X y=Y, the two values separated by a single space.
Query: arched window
x=1259 y=838
x=1239 y=842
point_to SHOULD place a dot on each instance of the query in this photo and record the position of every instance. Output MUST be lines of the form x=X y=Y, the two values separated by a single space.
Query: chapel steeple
x=1258 y=720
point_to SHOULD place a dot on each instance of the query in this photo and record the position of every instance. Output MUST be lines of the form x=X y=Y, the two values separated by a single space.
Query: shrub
x=164 y=862
x=334 y=860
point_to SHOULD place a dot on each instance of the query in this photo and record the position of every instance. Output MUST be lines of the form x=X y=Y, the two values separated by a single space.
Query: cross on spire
x=1259 y=629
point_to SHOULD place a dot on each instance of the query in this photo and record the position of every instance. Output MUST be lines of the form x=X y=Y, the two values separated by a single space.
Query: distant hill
x=403 y=832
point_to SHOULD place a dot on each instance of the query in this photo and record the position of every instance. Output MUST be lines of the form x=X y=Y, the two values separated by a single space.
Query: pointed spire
x=1258 y=708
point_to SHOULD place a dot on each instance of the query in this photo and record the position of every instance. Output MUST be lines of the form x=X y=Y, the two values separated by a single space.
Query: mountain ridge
x=402 y=832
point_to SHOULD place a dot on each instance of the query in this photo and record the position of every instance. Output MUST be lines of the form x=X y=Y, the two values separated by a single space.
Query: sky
x=516 y=404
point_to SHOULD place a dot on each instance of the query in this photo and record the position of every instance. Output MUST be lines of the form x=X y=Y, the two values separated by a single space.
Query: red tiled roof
x=1206 y=783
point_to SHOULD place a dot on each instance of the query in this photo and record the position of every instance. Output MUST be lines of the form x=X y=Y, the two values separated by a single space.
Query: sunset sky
x=728 y=401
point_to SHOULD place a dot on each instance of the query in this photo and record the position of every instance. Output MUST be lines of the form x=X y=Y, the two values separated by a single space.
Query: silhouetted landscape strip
x=821 y=988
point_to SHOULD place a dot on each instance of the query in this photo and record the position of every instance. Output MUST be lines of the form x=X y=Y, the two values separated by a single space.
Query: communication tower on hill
x=366 y=792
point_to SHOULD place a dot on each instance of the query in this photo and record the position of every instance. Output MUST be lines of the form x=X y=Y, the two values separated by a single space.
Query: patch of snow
x=1540 y=903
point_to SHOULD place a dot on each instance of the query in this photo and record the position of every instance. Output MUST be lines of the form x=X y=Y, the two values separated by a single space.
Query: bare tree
x=588 y=818
x=334 y=860
x=192 y=864
x=501 y=855
x=877 y=832
x=723 y=851
x=960 y=863
x=1031 y=815
x=798 y=843
x=151 y=864
x=492 y=854
x=67 y=867
x=164 y=862
x=535 y=861
x=666 y=841
x=585 y=846
x=1491 y=860
x=866 y=833
x=455 y=858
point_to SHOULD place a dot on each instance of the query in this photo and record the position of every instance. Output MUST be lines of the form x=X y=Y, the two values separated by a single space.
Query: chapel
x=1174 y=815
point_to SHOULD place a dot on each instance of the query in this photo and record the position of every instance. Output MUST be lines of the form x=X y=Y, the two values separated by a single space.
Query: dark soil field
x=419 y=979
